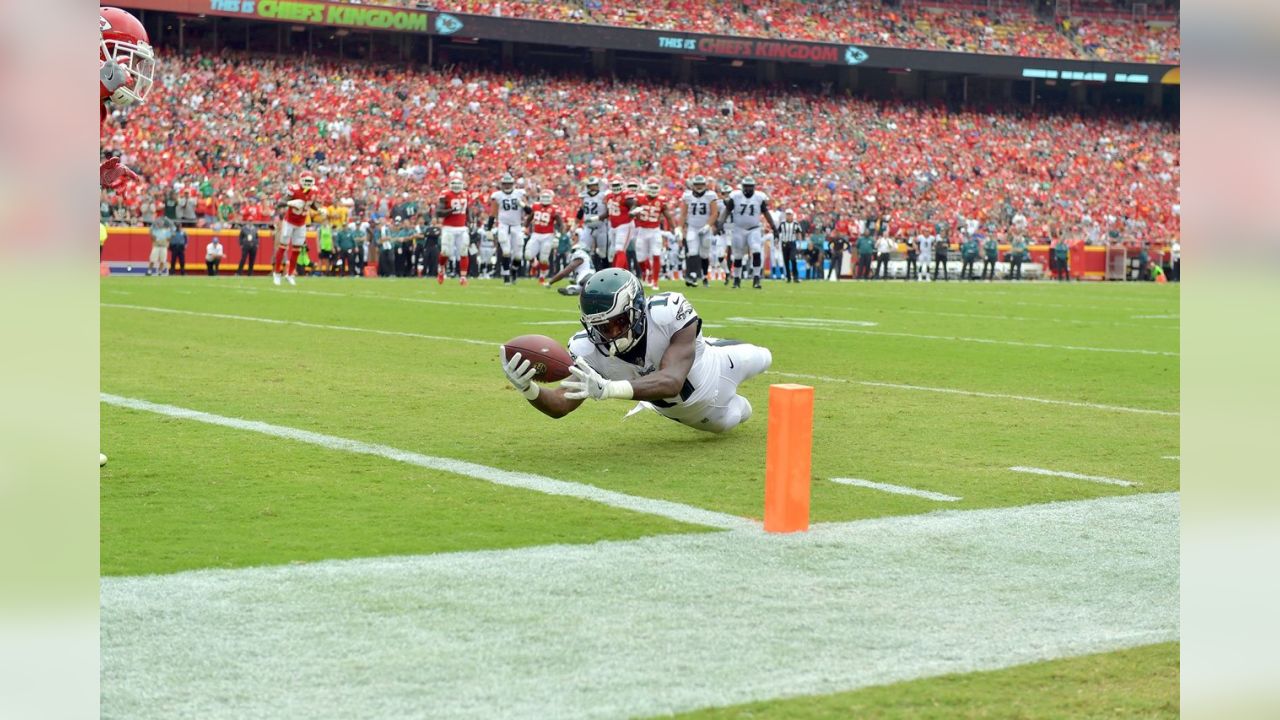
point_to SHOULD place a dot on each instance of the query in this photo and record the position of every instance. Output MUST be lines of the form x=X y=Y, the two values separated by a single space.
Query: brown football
x=548 y=356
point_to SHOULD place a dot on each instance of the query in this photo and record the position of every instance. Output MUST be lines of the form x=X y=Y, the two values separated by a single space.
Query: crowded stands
x=228 y=132
x=1087 y=31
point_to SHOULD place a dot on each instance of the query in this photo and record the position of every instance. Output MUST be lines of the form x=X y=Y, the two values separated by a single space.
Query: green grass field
x=937 y=387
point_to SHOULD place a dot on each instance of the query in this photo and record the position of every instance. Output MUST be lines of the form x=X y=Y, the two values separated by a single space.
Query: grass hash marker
x=896 y=489
x=1074 y=476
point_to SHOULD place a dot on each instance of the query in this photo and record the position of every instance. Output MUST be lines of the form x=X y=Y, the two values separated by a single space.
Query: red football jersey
x=297 y=192
x=650 y=211
x=619 y=214
x=457 y=204
x=544 y=218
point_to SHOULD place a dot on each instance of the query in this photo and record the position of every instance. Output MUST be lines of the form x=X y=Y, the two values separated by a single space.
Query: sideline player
x=650 y=208
x=745 y=209
x=545 y=224
x=453 y=208
x=292 y=235
x=619 y=203
x=507 y=208
x=579 y=267
x=651 y=350
x=593 y=232
x=699 y=210
x=126 y=66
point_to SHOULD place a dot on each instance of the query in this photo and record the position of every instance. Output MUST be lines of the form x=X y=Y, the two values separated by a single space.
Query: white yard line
x=524 y=481
x=470 y=341
x=425 y=301
x=271 y=321
x=975 y=393
x=1171 y=457
x=1074 y=476
x=648 y=627
x=768 y=322
x=896 y=489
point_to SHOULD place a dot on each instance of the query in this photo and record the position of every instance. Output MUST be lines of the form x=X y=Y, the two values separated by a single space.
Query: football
x=550 y=359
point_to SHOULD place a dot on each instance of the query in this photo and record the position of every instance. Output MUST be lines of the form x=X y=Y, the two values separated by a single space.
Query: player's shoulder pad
x=580 y=345
x=670 y=309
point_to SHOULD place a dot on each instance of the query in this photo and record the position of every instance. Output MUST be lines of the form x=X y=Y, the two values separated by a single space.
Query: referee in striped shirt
x=788 y=232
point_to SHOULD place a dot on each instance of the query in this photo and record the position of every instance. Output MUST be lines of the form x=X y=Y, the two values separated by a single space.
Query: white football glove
x=584 y=382
x=520 y=373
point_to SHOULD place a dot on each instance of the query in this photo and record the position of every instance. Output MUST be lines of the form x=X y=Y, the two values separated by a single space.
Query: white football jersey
x=510 y=206
x=926 y=245
x=580 y=253
x=593 y=205
x=746 y=210
x=698 y=207
x=665 y=315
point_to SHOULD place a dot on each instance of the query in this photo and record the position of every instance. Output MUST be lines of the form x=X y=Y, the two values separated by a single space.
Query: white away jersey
x=698 y=207
x=510 y=206
x=665 y=315
x=593 y=205
x=746 y=210
x=926 y=245
x=580 y=253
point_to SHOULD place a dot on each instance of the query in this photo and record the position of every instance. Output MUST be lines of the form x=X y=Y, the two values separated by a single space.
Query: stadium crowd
x=221 y=137
x=1007 y=28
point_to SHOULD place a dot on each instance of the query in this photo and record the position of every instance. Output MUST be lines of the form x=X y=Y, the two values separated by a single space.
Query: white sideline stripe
x=975 y=393
x=296 y=323
x=647 y=627
x=1074 y=476
x=958 y=338
x=525 y=481
x=896 y=489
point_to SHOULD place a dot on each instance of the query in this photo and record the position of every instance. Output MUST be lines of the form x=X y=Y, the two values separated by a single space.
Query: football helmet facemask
x=612 y=304
x=124 y=40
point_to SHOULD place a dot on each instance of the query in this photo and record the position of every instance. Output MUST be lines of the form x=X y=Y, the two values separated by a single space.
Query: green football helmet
x=612 y=304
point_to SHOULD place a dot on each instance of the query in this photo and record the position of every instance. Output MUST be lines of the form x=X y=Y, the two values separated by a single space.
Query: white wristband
x=531 y=393
x=617 y=389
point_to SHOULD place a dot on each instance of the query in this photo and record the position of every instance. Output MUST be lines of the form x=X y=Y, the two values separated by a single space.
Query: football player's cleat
x=569 y=290
x=755 y=283
x=275 y=278
x=291 y=280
